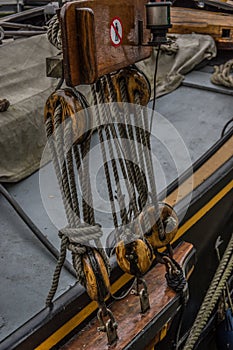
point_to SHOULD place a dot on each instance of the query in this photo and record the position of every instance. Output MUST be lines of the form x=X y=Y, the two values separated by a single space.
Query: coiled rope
x=222 y=274
x=54 y=33
x=223 y=74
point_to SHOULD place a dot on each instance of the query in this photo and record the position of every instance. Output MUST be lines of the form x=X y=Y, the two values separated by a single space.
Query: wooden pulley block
x=135 y=83
x=170 y=222
x=100 y=37
x=97 y=279
x=135 y=257
x=71 y=108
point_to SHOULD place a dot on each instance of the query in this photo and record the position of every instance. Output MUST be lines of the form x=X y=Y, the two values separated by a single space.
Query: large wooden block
x=99 y=37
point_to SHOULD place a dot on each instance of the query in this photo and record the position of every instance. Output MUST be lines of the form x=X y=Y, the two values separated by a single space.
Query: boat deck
x=197 y=110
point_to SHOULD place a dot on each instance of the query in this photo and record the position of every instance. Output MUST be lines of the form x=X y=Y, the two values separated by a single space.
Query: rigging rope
x=221 y=276
x=223 y=74
x=54 y=32
x=77 y=235
x=128 y=156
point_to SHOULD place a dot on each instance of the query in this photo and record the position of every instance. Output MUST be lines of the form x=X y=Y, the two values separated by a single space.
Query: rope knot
x=174 y=276
x=81 y=234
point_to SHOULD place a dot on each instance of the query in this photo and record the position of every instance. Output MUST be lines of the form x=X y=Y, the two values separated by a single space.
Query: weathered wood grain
x=218 y=25
x=88 y=50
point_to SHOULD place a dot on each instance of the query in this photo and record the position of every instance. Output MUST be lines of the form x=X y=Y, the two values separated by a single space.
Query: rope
x=171 y=47
x=128 y=133
x=73 y=239
x=222 y=74
x=126 y=154
x=104 y=156
x=226 y=126
x=77 y=235
x=54 y=33
x=111 y=147
x=57 y=272
x=222 y=274
x=125 y=165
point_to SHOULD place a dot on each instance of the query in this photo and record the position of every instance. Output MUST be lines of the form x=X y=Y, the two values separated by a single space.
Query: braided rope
x=53 y=152
x=222 y=74
x=138 y=181
x=57 y=272
x=82 y=233
x=222 y=274
x=61 y=156
x=77 y=235
x=54 y=33
x=106 y=123
x=126 y=164
x=104 y=155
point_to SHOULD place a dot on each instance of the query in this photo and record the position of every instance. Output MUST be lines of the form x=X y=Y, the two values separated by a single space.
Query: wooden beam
x=218 y=25
x=100 y=37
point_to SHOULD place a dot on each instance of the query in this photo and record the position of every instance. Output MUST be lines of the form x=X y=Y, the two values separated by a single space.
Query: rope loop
x=223 y=74
x=82 y=233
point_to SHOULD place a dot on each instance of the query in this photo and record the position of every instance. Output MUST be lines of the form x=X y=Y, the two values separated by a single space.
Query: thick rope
x=104 y=155
x=53 y=151
x=126 y=167
x=223 y=74
x=222 y=274
x=82 y=233
x=54 y=33
x=138 y=181
x=77 y=235
x=111 y=146
x=74 y=239
x=57 y=272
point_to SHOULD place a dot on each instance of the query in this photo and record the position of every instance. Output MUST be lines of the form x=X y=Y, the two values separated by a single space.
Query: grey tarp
x=24 y=84
x=192 y=49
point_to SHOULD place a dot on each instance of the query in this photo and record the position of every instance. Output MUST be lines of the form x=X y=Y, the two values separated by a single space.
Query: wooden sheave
x=218 y=25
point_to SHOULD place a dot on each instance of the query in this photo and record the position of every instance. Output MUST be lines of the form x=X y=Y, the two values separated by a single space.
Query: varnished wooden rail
x=131 y=323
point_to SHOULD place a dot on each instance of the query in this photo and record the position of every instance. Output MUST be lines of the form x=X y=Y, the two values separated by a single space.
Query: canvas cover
x=23 y=82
